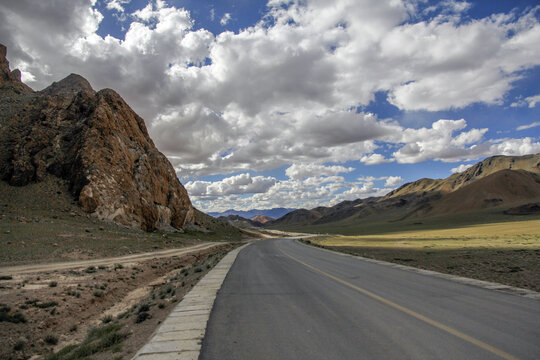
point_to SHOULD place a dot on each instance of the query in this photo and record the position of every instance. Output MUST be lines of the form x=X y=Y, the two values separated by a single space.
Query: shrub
x=51 y=339
x=144 y=308
x=19 y=345
x=15 y=318
x=45 y=304
x=142 y=316
x=107 y=319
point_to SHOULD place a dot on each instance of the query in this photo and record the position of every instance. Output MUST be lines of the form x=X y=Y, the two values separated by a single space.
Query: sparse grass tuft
x=51 y=339
x=98 y=340
x=90 y=270
x=142 y=316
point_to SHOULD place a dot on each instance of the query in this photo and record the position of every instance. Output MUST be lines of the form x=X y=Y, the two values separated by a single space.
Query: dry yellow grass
x=508 y=235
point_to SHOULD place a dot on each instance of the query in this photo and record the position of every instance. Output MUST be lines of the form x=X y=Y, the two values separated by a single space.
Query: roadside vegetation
x=98 y=312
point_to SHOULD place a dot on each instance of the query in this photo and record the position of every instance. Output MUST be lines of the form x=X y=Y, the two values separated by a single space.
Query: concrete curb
x=460 y=279
x=180 y=336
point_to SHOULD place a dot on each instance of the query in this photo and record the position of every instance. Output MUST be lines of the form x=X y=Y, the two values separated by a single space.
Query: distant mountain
x=511 y=183
x=476 y=172
x=262 y=219
x=240 y=222
x=250 y=214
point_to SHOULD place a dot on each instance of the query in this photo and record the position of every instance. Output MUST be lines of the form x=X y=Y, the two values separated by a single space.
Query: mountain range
x=510 y=184
x=250 y=214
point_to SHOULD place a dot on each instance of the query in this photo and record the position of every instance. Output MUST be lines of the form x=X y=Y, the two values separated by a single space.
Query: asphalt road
x=285 y=300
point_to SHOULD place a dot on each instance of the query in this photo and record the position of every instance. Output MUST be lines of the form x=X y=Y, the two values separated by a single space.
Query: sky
x=279 y=103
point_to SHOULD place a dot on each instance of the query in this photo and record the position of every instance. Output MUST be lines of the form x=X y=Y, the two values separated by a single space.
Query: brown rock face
x=94 y=140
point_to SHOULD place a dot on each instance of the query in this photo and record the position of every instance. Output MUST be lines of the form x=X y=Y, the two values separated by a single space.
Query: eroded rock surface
x=96 y=142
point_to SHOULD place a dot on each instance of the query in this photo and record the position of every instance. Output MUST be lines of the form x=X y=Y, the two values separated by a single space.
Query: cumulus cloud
x=460 y=168
x=225 y=19
x=293 y=193
x=307 y=186
x=117 y=5
x=439 y=142
x=374 y=159
x=300 y=171
x=393 y=181
x=286 y=90
x=238 y=184
x=514 y=147
x=530 y=101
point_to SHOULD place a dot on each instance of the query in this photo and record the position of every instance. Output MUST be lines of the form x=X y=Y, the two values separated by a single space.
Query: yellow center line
x=410 y=312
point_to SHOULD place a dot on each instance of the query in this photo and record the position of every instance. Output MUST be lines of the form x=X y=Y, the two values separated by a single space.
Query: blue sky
x=282 y=103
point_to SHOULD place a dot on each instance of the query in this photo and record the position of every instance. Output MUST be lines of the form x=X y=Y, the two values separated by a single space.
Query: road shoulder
x=180 y=335
x=460 y=279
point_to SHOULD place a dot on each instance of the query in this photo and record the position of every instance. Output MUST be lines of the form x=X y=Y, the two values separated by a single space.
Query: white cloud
x=528 y=126
x=285 y=91
x=533 y=100
x=306 y=187
x=238 y=184
x=300 y=171
x=117 y=5
x=460 y=168
x=225 y=19
x=393 y=181
x=530 y=101
x=440 y=143
x=293 y=193
x=374 y=159
x=514 y=147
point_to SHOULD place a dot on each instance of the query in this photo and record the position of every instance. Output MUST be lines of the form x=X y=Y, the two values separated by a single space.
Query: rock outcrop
x=96 y=142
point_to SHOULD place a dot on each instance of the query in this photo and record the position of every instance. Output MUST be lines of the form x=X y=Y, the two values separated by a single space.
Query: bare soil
x=513 y=267
x=50 y=308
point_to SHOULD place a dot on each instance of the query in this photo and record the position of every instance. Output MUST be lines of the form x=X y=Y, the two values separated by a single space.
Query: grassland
x=504 y=235
x=505 y=252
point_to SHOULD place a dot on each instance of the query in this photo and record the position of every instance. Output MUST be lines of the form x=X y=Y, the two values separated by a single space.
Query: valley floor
x=507 y=253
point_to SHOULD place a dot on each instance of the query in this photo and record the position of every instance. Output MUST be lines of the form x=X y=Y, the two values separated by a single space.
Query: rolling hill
x=492 y=186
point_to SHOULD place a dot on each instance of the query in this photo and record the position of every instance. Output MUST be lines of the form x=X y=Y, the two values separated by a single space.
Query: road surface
x=285 y=300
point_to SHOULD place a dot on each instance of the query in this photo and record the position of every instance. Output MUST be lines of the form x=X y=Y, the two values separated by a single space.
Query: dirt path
x=28 y=269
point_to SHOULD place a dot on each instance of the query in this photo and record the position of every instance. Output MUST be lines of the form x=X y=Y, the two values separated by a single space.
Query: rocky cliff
x=96 y=142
